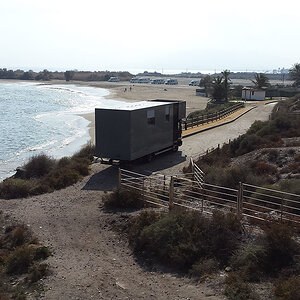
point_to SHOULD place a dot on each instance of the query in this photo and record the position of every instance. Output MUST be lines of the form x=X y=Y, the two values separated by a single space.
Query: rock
x=228 y=269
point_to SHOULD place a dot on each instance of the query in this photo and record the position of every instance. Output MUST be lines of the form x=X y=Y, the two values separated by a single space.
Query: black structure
x=140 y=129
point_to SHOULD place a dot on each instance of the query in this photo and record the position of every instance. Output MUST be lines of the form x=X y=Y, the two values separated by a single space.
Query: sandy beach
x=140 y=92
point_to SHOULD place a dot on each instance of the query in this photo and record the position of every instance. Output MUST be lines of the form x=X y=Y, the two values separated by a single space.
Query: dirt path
x=90 y=260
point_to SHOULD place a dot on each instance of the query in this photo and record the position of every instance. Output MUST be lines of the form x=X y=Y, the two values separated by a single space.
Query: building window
x=167 y=113
x=252 y=93
x=151 y=117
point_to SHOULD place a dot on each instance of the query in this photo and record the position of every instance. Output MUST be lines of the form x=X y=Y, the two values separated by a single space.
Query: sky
x=149 y=35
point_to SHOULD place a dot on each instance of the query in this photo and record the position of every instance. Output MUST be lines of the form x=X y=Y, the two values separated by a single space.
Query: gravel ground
x=90 y=260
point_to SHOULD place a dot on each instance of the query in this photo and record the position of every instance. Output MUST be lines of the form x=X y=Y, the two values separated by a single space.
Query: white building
x=249 y=93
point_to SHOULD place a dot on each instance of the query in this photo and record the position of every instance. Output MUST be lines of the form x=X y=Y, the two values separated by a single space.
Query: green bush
x=261 y=168
x=87 y=152
x=288 y=289
x=182 y=239
x=38 y=166
x=249 y=261
x=122 y=199
x=272 y=155
x=280 y=246
x=20 y=260
x=18 y=236
x=16 y=188
x=41 y=253
x=237 y=289
x=61 y=178
x=37 y=272
x=138 y=223
x=204 y=267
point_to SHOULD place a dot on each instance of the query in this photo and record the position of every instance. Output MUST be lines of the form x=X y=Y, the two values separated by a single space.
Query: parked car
x=194 y=83
x=143 y=80
x=114 y=79
x=172 y=81
x=157 y=81
x=134 y=80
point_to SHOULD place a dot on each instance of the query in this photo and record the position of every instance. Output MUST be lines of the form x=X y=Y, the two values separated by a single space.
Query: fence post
x=143 y=190
x=240 y=200
x=119 y=178
x=171 y=193
x=281 y=209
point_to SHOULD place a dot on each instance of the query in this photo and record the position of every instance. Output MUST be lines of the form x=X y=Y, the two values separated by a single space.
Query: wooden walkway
x=231 y=118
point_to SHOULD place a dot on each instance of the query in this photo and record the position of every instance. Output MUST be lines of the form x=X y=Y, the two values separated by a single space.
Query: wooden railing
x=249 y=202
x=211 y=117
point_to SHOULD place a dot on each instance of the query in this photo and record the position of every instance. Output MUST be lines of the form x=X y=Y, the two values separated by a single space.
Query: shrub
x=38 y=166
x=15 y=188
x=280 y=246
x=19 y=261
x=37 y=272
x=291 y=186
x=272 y=155
x=223 y=235
x=181 y=239
x=204 y=267
x=237 y=289
x=18 y=236
x=288 y=289
x=87 y=152
x=81 y=165
x=41 y=253
x=123 y=199
x=61 y=178
x=138 y=223
x=262 y=168
x=249 y=261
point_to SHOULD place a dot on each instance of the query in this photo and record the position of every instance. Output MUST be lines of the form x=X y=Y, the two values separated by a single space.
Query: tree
x=45 y=75
x=226 y=74
x=261 y=80
x=295 y=74
x=218 y=90
x=206 y=82
x=69 y=75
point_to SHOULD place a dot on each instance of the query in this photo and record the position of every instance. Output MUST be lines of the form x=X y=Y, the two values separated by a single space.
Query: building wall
x=253 y=95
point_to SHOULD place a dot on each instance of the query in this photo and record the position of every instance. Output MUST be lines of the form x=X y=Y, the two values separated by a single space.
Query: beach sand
x=142 y=92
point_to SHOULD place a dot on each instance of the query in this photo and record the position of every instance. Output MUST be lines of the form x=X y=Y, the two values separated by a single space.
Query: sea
x=43 y=118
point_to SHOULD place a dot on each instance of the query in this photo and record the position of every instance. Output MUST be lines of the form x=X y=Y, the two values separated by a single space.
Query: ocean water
x=40 y=118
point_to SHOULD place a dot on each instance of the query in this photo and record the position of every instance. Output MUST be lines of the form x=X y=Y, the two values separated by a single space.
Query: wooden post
x=171 y=193
x=240 y=201
x=203 y=196
x=281 y=209
x=143 y=190
x=119 y=178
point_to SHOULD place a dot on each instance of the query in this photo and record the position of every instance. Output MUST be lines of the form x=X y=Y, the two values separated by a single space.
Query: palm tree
x=295 y=74
x=261 y=80
x=226 y=74
x=206 y=82
x=218 y=90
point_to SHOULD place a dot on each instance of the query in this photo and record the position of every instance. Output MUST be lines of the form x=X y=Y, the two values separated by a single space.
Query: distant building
x=249 y=93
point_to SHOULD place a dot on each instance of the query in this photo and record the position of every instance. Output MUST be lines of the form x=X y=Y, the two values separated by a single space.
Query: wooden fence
x=249 y=202
x=211 y=117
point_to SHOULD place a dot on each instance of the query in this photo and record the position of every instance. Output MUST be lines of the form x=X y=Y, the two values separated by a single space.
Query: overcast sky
x=149 y=34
